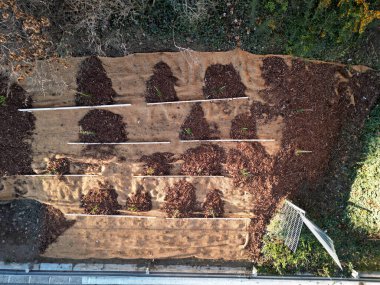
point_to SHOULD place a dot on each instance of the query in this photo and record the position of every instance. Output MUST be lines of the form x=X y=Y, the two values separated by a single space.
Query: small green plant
x=187 y=131
x=150 y=171
x=300 y=151
x=94 y=210
x=244 y=172
x=84 y=94
x=132 y=208
x=158 y=92
x=88 y=133
x=244 y=129
x=2 y=100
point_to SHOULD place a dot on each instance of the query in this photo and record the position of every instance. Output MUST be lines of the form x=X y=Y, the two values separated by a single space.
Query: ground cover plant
x=196 y=127
x=93 y=85
x=180 y=200
x=100 y=201
x=158 y=163
x=222 y=81
x=160 y=86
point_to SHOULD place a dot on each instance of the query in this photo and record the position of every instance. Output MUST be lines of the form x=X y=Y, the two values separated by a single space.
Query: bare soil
x=93 y=86
x=196 y=127
x=158 y=163
x=102 y=126
x=101 y=201
x=223 y=81
x=141 y=201
x=213 y=206
x=180 y=200
x=160 y=86
x=205 y=159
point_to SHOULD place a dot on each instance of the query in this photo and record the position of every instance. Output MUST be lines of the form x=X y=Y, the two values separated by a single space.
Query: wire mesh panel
x=291 y=225
x=292 y=220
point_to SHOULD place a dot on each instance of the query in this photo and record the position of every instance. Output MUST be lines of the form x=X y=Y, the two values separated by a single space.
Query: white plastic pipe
x=114 y=143
x=200 y=100
x=178 y=176
x=229 y=140
x=74 y=108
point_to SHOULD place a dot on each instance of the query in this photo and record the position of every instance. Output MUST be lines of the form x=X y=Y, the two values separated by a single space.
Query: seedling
x=245 y=172
x=300 y=151
x=150 y=171
x=187 y=131
x=2 y=100
x=88 y=133
x=244 y=129
x=303 y=110
x=132 y=208
x=158 y=92
x=94 y=210
x=84 y=94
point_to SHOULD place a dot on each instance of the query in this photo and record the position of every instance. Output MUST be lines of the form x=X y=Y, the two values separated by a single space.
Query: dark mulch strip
x=59 y=166
x=157 y=163
x=102 y=126
x=196 y=126
x=141 y=201
x=205 y=159
x=213 y=206
x=101 y=201
x=16 y=130
x=160 y=86
x=28 y=228
x=180 y=200
x=93 y=86
x=223 y=81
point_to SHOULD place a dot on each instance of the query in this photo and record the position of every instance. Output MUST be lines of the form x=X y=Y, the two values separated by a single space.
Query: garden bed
x=301 y=105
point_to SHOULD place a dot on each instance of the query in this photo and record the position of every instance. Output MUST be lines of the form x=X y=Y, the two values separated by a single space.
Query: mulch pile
x=101 y=201
x=223 y=81
x=196 y=126
x=180 y=200
x=213 y=206
x=16 y=130
x=305 y=95
x=58 y=166
x=206 y=159
x=93 y=85
x=141 y=201
x=28 y=228
x=102 y=126
x=158 y=163
x=54 y=224
x=160 y=86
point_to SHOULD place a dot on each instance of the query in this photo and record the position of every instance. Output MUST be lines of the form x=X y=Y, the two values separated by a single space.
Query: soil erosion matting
x=180 y=200
x=160 y=86
x=93 y=86
x=157 y=163
x=101 y=201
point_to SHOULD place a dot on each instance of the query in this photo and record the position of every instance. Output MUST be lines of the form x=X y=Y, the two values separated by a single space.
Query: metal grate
x=292 y=220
